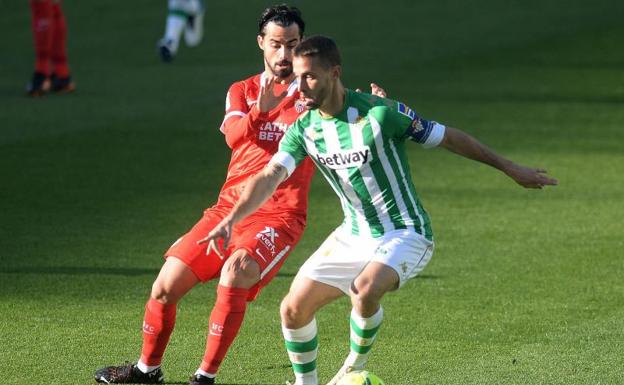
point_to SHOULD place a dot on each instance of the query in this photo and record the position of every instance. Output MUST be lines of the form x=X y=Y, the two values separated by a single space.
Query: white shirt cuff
x=436 y=135
x=284 y=159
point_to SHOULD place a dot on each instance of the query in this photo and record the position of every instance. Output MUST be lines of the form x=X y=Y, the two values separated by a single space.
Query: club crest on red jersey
x=299 y=106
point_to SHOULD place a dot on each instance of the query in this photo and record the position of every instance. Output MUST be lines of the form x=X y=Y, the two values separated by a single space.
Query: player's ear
x=337 y=71
x=260 y=40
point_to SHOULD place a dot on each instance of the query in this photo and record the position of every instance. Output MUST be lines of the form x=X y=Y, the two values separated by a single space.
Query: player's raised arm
x=240 y=120
x=467 y=146
x=257 y=191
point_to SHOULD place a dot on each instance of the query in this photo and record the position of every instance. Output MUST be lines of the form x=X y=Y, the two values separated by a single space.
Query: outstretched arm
x=465 y=145
x=257 y=191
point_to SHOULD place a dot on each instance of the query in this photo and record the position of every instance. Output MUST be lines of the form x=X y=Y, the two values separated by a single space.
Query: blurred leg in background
x=49 y=37
x=183 y=17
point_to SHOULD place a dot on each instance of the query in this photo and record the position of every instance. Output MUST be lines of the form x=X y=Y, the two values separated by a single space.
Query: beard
x=311 y=104
x=282 y=69
x=315 y=101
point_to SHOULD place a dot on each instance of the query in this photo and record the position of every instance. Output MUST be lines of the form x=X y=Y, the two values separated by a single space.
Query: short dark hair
x=321 y=47
x=282 y=15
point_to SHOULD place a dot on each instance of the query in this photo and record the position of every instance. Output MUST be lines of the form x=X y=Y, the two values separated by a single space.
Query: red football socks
x=42 y=26
x=157 y=328
x=59 y=52
x=49 y=33
x=225 y=322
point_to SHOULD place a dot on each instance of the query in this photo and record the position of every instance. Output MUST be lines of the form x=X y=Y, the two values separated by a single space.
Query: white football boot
x=341 y=372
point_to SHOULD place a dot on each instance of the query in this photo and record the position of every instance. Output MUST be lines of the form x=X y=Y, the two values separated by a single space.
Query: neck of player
x=334 y=103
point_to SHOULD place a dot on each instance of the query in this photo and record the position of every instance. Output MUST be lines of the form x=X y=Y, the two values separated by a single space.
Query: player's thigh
x=204 y=265
x=240 y=270
x=404 y=251
x=268 y=240
x=339 y=259
x=174 y=280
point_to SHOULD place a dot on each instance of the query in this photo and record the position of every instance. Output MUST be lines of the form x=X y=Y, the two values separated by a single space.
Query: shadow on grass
x=72 y=270
x=222 y=383
x=427 y=276
x=85 y=270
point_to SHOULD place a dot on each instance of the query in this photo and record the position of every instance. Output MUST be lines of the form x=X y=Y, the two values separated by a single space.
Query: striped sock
x=302 y=347
x=363 y=332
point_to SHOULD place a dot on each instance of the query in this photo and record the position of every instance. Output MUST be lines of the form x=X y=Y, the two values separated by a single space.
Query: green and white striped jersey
x=361 y=152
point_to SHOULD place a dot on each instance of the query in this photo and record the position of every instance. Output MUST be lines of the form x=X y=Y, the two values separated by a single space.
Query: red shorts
x=268 y=240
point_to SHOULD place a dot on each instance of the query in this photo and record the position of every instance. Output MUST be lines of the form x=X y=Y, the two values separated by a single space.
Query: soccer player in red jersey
x=258 y=111
x=49 y=34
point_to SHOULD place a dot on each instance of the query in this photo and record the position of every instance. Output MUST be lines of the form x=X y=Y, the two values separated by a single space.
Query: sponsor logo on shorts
x=260 y=254
x=267 y=237
x=381 y=250
x=403 y=267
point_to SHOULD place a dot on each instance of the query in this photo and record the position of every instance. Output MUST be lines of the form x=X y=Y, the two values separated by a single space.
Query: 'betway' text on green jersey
x=361 y=152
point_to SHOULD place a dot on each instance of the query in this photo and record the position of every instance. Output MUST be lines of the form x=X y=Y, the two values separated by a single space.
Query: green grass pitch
x=525 y=287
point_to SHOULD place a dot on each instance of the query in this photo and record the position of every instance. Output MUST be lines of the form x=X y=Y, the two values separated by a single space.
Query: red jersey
x=254 y=138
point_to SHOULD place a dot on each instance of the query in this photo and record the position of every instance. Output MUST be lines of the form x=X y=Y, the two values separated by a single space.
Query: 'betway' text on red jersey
x=254 y=138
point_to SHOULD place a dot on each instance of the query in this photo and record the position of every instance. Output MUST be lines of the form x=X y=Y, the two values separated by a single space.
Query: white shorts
x=341 y=258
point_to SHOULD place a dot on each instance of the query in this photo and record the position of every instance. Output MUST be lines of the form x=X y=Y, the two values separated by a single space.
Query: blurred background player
x=49 y=35
x=183 y=17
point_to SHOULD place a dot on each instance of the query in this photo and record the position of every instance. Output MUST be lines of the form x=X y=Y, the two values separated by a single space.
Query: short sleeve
x=291 y=150
x=235 y=103
x=408 y=125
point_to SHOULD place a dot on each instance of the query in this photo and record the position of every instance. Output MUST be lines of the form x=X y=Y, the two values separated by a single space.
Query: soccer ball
x=360 y=377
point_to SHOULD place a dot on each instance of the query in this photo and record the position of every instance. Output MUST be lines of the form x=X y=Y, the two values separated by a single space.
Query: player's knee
x=163 y=293
x=366 y=293
x=240 y=270
x=293 y=315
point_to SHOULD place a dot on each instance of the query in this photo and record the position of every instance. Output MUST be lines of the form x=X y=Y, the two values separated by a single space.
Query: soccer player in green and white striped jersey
x=358 y=143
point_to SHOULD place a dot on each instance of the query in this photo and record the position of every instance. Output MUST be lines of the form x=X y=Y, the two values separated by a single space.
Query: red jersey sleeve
x=240 y=120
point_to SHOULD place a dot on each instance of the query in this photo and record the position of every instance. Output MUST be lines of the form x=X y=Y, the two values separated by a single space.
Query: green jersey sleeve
x=291 y=149
x=406 y=124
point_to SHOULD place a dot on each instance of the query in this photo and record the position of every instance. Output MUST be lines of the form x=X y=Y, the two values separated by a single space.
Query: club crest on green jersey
x=360 y=122
x=417 y=126
x=311 y=134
